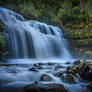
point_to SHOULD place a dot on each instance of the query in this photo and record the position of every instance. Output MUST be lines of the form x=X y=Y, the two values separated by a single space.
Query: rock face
x=0 y=56
x=71 y=70
x=51 y=87
x=45 y=77
x=89 y=86
x=77 y=62
x=69 y=78
x=58 y=74
x=2 y=40
x=85 y=71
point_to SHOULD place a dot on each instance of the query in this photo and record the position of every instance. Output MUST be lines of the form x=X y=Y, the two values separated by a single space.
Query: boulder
x=33 y=69
x=0 y=56
x=37 y=65
x=85 y=71
x=89 y=86
x=71 y=70
x=68 y=63
x=46 y=77
x=58 y=66
x=77 y=62
x=2 y=40
x=40 y=67
x=40 y=87
x=69 y=78
x=59 y=73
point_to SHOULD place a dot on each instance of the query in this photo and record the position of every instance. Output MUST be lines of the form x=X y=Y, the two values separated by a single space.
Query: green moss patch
x=2 y=38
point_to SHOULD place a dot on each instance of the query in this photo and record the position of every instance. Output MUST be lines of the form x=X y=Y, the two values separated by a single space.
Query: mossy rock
x=81 y=52
x=69 y=78
x=1 y=26
x=81 y=42
x=2 y=39
x=71 y=70
x=85 y=70
x=77 y=34
x=89 y=86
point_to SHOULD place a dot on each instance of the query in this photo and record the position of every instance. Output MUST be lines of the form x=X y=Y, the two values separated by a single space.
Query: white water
x=32 y=39
x=14 y=77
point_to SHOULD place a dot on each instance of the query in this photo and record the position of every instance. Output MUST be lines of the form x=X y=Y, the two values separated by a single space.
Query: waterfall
x=32 y=39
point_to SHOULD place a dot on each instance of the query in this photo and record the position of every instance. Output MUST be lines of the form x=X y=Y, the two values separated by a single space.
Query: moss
x=2 y=39
x=78 y=33
x=81 y=43
x=29 y=10
x=1 y=26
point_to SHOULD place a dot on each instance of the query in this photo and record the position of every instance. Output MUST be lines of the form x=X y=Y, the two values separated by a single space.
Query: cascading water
x=32 y=39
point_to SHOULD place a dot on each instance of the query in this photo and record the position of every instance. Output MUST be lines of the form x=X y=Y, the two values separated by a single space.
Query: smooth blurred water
x=32 y=39
x=14 y=77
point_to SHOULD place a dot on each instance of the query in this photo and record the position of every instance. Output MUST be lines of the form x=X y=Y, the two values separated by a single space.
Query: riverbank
x=71 y=77
x=80 y=41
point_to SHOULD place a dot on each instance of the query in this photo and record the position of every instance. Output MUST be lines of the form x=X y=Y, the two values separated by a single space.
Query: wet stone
x=89 y=86
x=68 y=63
x=85 y=71
x=69 y=78
x=33 y=69
x=59 y=73
x=71 y=70
x=40 y=87
x=77 y=62
x=46 y=77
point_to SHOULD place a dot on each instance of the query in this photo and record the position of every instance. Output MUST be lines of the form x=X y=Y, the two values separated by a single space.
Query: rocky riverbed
x=47 y=77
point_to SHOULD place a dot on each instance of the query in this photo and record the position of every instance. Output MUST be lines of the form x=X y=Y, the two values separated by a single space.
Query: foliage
x=73 y=9
x=2 y=38
x=72 y=15
x=29 y=9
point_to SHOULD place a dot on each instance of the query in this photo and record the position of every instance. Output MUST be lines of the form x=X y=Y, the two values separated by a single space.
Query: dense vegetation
x=2 y=39
x=66 y=12
x=69 y=14
x=74 y=16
